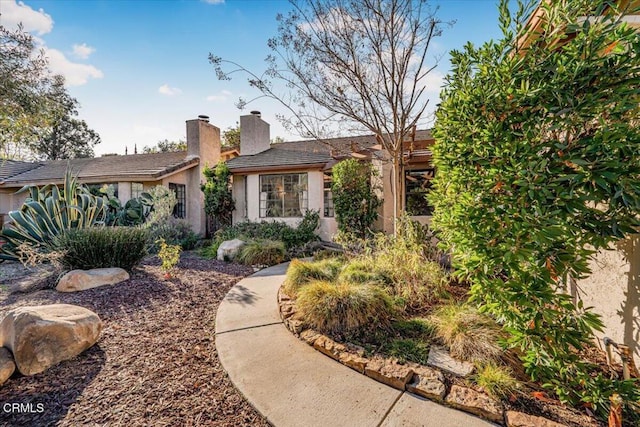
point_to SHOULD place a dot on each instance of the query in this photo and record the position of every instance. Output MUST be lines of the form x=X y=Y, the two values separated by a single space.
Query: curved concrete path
x=291 y=384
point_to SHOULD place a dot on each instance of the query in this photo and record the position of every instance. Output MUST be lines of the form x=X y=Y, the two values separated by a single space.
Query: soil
x=155 y=363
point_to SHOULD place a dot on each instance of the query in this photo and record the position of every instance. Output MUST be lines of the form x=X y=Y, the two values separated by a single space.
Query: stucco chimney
x=254 y=134
x=203 y=140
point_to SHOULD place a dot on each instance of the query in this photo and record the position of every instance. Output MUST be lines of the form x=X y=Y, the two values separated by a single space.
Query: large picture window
x=283 y=196
x=136 y=189
x=180 y=210
x=417 y=186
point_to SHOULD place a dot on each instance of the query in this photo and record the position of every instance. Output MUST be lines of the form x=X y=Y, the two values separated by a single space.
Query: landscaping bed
x=413 y=329
x=155 y=362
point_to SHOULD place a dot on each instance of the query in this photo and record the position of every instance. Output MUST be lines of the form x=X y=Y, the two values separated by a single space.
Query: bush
x=169 y=256
x=262 y=252
x=301 y=272
x=344 y=307
x=268 y=230
x=364 y=270
x=102 y=247
x=173 y=231
x=498 y=381
x=468 y=334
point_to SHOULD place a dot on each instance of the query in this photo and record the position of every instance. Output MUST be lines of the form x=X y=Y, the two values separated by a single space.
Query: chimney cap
x=204 y=118
x=256 y=113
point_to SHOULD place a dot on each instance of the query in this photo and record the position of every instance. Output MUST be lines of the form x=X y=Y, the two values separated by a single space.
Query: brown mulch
x=155 y=364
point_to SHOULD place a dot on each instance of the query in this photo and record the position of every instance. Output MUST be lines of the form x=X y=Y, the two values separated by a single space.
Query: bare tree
x=356 y=64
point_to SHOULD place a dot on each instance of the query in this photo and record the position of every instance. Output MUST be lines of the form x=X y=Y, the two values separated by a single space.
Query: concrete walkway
x=291 y=384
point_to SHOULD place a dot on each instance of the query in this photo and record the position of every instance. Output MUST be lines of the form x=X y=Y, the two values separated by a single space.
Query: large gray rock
x=42 y=336
x=229 y=249
x=80 y=280
x=439 y=357
x=7 y=365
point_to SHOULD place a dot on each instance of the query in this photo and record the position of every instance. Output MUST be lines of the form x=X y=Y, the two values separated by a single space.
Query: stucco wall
x=614 y=292
x=327 y=227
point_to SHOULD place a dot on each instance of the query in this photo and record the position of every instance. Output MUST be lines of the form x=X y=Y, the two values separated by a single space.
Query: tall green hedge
x=538 y=159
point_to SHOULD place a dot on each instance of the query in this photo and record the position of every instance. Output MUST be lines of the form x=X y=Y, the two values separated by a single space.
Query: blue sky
x=139 y=68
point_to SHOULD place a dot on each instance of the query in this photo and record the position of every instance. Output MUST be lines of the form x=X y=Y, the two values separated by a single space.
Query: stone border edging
x=425 y=381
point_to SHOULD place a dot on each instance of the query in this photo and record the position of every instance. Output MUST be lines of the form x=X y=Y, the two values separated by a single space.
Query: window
x=283 y=196
x=328 y=197
x=136 y=189
x=179 y=211
x=246 y=198
x=417 y=186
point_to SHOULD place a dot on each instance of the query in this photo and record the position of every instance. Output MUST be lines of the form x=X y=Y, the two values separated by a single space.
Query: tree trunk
x=397 y=187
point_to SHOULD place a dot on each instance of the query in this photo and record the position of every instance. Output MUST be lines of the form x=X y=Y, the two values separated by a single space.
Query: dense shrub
x=218 y=200
x=343 y=307
x=354 y=197
x=302 y=272
x=262 y=252
x=101 y=247
x=174 y=231
x=468 y=334
x=269 y=230
x=538 y=159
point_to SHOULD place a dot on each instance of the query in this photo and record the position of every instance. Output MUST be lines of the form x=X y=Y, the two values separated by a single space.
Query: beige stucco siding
x=613 y=289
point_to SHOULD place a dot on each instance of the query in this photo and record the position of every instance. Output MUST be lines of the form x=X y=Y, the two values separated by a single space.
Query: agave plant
x=49 y=212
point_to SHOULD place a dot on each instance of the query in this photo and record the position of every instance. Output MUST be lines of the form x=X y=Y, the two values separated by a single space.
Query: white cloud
x=75 y=74
x=83 y=51
x=14 y=13
x=167 y=90
x=224 y=94
x=214 y=1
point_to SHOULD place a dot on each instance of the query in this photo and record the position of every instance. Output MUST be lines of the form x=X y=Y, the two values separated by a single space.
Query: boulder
x=7 y=365
x=80 y=280
x=229 y=249
x=42 y=336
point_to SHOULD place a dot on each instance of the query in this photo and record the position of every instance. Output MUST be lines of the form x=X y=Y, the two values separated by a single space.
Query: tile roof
x=9 y=168
x=109 y=168
x=308 y=152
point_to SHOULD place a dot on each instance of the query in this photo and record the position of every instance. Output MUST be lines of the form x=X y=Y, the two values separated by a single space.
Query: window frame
x=136 y=193
x=285 y=198
x=180 y=209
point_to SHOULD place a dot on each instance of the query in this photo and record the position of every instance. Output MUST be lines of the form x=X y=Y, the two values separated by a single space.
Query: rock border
x=425 y=381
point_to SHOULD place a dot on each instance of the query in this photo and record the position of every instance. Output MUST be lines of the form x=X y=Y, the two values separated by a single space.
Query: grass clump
x=469 y=334
x=102 y=247
x=363 y=270
x=262 y=252
x=343 y=307
x=408 y=349
x=302 y=272
x=496 y=380
x=414 y=328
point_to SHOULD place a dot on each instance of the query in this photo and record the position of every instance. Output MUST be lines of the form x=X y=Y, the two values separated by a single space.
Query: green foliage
x=407 y=349
x=262 y=252
x=300 y=273
x=134 y=212
x=354 y=197
x=169 y=255
x=343 y=307
x=102 y=247
x=166 y=146
x=538 y=160
x=175 y=231
x=269 y=230
x=218 y=201
x=49 y=212
x=496 y=380
x=414 y=328
x=231 y=136
x=469 y=335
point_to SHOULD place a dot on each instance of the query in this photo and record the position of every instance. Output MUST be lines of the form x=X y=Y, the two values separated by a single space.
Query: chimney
x=254 y=134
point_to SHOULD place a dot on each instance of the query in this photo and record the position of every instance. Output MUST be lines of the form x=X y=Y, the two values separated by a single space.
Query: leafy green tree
x=231 y=136
x=538 y=159
x=354 y=197
x=218 y=201
x=166 y=146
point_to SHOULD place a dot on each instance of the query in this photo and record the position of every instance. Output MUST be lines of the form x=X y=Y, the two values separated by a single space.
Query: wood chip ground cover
x=155 y=363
